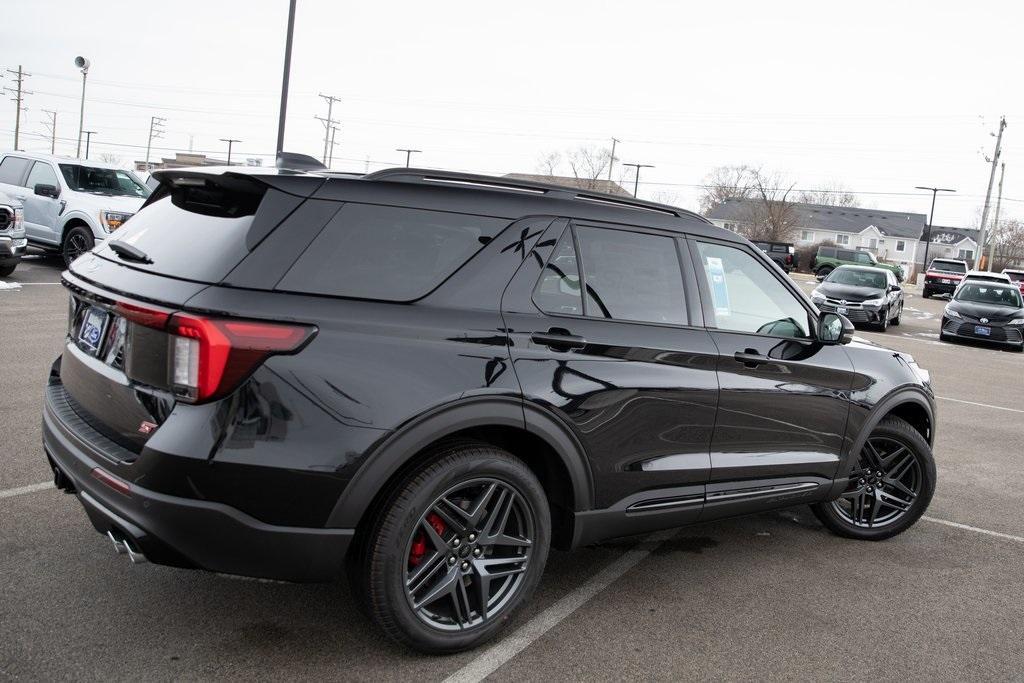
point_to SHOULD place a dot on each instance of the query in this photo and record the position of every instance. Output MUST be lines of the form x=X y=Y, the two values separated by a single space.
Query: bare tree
x=833 y=193
x=1009 y=244
x=726 y=182
x=772 y=215
x=550 y=163
x=665 y=197
x=108 y=158
x=587 y=165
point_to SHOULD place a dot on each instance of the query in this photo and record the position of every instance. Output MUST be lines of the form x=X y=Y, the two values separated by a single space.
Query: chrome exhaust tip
x=122 y=547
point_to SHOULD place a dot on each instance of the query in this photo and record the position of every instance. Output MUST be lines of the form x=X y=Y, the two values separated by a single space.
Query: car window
x=948 y=266
x=12 y=170
x=844 y=254
x=104 y=181
x=388 y=253
x=857 y=278
x=981 y=293
x=827 y=252
x=747 y=297
x=863 y=257
x=631 y=276
x=558 y=289
x=1015 y=275
x=42 y=174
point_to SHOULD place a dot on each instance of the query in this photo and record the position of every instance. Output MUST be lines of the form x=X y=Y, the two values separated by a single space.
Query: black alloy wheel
x=458 y=546
x=78 y=241
x=889 y=488
x=883 y=320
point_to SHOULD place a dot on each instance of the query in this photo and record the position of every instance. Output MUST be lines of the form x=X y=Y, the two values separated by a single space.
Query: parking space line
x=967 y=527
x=488 y=661
x=31 y=488
x=982 y=405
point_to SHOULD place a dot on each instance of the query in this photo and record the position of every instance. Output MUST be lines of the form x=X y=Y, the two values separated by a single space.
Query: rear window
x=948 y=266
x=388 y=253
x=195 y=232
x=1015 y=275
x=827 y=252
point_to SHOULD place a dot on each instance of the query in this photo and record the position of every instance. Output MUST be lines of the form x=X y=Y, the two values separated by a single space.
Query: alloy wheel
x=883 y=487
x=75 y=245
x=468 y=554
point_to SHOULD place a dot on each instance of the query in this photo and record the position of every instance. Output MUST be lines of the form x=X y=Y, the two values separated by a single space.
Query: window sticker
x=719 y=288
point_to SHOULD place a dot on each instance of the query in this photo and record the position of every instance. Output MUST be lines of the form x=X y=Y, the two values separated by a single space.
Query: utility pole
x=51 y=126
x=991 y=179
x=330 y=155
x=83 y=64
x=611 y=159
x=328 y=122
x=931 y=219
x=284 y=78
x=19 y=94
x=155 y=125
x=230 y=142
x=995 y=223
x=408 y=154
x=88 y=139
x=636 y=183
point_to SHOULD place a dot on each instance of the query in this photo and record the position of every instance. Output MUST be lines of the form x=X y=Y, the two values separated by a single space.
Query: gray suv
x=70 y=204
x=12 y=235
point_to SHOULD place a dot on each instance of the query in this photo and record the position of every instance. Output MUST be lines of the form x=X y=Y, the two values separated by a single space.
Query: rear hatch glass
x=949 y=267
x=193 y=231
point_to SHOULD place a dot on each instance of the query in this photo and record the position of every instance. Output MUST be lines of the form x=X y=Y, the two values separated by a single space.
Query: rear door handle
x=558 y=340
x=751 y=358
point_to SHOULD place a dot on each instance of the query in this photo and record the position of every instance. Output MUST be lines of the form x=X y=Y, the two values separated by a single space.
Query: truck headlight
x=112 y=220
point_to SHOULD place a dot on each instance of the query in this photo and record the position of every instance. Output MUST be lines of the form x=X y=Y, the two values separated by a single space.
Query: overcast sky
x=880 y=96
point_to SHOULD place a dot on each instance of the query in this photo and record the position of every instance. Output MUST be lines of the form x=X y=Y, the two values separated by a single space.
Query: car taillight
x=210 y=356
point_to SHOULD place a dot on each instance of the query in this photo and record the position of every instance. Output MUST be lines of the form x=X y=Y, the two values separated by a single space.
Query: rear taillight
x=209 y=357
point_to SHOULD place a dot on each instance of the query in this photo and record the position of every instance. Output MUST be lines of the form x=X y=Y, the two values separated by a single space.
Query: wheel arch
x=546 y=445
x=912 y=405
x=74 y=221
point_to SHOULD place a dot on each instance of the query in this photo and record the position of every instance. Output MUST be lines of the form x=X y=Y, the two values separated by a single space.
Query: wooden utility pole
x=991 y=180
x=51 y=126
x=19 y=93
x=995 y=222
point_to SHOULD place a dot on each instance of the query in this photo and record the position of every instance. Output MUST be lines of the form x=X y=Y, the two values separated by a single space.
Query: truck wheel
x=7 y=269
x=78 y=241
x=824 y=271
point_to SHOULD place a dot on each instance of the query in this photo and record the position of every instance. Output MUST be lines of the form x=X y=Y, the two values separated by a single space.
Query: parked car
x=943 y=276
x=986 y=276
x=864 y=295
x=1016 y=276
x=70 y=204
x=783 y=253
x=985 y=311
x=12 y=235
x=426 y=379
x=827 y=259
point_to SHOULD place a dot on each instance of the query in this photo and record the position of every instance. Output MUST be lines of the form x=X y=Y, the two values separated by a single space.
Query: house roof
x=835 y=218
x=947 y=235
x=594 y=185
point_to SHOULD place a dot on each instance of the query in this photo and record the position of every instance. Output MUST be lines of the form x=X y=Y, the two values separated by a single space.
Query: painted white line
x=982 y=405
x=967 y=527
x=31 y=488
x=488 y=661
x=29 y=284
x=9 y=285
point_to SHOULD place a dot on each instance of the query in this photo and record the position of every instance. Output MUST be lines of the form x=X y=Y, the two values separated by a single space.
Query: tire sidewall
x=388 y=554
x=67 y=238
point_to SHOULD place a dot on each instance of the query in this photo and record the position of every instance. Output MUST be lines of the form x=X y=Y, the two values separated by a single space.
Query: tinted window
x=948 y=266
x=857 y=278
x=388 y=253
x=981 y=293
x=1015 y=275
x=104 y=181
x=780 y=248
x=558 y=290
x=844 y=254
x=631 y=276
x=827 y=252
x=42 y=174
x=12 y=169
x=746 y=296
x=863 y=257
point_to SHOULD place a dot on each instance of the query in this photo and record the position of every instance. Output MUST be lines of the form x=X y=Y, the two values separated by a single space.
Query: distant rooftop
x=593 y=185
x=836 y=218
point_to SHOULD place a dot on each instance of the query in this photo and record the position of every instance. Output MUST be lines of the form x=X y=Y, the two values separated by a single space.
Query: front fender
x=77 y=215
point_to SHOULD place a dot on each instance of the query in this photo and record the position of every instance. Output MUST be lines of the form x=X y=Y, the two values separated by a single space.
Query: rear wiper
x=128 y=252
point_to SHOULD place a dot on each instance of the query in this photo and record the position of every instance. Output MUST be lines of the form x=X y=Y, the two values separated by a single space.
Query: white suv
x=70 y=204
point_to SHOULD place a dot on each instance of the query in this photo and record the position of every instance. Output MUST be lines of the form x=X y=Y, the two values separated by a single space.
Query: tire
x=77 y=241
x=883 y=324
x=908 y=468
x=7 y=269
x=824 y=271
x=944 y=337
x=418 y=527
x=899 y=315
x=926 y=293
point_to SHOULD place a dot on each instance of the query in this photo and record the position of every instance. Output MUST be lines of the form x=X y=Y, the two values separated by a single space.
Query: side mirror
x=834 y=329
x=44 y=190
x=895 y=288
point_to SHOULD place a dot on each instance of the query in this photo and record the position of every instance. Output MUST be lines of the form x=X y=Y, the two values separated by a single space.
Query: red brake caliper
x=419 y=544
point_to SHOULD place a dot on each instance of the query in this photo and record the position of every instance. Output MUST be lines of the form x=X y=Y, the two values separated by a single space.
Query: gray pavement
x=771 y=596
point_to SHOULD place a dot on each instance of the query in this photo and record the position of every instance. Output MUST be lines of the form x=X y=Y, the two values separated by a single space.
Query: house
x=181 y=160
x=590 y=184
x=956 y=243
x=892 y=236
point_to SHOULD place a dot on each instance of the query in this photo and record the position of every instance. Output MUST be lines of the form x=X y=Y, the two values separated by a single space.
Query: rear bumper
x=940 y=288
x=184 y=532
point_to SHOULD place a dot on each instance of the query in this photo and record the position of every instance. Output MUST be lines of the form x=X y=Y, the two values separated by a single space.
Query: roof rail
x=425 y=176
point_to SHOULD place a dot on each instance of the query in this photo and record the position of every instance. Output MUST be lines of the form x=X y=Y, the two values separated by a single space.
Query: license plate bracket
x=841 y=310
x=93 y=330
x=982 y=331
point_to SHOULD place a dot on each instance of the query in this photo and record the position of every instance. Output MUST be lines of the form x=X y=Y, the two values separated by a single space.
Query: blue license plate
x=982 y=331
x=94 y=324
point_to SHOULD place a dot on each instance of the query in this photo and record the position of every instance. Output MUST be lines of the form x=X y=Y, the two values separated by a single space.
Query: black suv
x=425 y=380
x=783 y=253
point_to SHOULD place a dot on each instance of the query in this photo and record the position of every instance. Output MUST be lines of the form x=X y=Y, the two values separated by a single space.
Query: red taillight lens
x=143 y=315
x=210 y=356
x=119 y=485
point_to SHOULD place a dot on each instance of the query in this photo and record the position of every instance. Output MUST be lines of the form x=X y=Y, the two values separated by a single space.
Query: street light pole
x=636 y=182
x=83 y=64
x=88 y=139
x=408 y=154
x=931 y=217
x=230 y=142
x=284 y=78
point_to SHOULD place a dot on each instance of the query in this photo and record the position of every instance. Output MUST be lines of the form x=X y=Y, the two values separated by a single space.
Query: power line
x=328 y=122
x=636 y=183
x=230 y=142
x=408 y=154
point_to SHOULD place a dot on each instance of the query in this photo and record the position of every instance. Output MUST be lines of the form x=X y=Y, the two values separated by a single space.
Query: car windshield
x=980 y=293
x=106 y=181
x=857 y=278
x=948 y=266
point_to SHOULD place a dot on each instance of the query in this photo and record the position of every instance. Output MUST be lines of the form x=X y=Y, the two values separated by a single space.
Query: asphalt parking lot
x=772 y=596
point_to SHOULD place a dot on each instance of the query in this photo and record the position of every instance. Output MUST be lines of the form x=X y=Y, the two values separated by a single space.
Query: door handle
x=751 y=358
x=558 y=339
